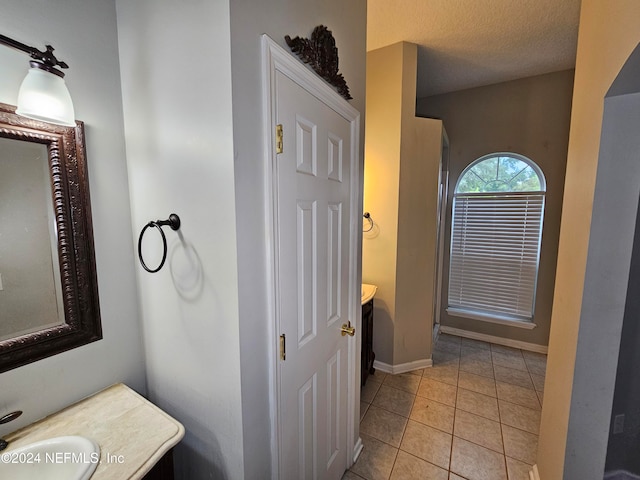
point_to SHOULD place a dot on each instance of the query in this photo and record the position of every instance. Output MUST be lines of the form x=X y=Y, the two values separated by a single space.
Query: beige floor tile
x=368 y=392
x=383 y=425
x=478 y=403
x=518 y=395
x=408 y=467
x=394 y=400
x=445 y=339
x=432 y=413
x=428 y=443
x=449 y=337
x=364 y=406
x=349 y=475
x=377 y=376
x=512 y=376
x=467 y=374
x=470 y=342
x=520 y=445
x=479 y=430
x=453 y=476
x=480 y=354
x=404 y=381
x=512 y=360
x=475 y=462
x=517 y=470
x=477 y=383
x=536 y=362
x=447 y=348
x=519 y=417
x=538 y=382
x=438 y=391
x=376 y=460
x=445 y=358
x=505 y=350
x=475 y=366
x=443 y=373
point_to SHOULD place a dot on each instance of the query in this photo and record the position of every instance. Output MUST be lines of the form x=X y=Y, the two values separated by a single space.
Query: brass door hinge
x=279 y=140
x=283 y=347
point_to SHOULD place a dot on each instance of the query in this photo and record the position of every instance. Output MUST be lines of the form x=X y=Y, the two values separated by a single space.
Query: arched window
x=496 y=230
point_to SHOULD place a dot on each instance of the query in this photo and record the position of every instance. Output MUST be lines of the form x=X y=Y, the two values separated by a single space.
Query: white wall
x=277 y=18
x=84 y=35
x=176 y=82
x=181 y=158
x=196 y=313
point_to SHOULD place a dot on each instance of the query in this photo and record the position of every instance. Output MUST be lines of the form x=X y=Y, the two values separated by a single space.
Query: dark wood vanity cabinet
x=163 y=470
x=368 y=356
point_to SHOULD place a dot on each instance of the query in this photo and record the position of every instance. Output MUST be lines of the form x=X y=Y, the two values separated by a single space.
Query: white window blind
x=495 y=247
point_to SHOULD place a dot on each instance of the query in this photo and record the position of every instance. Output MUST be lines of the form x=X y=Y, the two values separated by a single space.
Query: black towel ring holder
x=367 y=216
x=174 y=223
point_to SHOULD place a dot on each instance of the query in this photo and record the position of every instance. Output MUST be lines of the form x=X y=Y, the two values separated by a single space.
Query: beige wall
x=608 y=34
x=381 y=180
x=402 y=155
x=531 y=117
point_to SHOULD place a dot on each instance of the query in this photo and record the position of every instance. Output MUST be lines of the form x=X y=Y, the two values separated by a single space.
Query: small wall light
x=43 y=94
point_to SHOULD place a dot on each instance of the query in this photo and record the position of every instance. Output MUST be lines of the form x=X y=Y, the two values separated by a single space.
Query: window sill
x=500 y=320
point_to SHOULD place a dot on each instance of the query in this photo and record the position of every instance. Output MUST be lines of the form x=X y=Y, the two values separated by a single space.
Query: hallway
x=474 y=415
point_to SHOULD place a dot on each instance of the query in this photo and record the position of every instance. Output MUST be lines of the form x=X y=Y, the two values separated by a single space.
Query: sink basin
x=63 y=458
x=368 y=292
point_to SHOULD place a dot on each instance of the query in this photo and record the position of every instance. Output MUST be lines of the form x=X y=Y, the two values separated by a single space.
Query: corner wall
x=402 y=162
x=84 y=34
x=249 y=20
x=195 y=146
x=176 y=80
x=607 y=36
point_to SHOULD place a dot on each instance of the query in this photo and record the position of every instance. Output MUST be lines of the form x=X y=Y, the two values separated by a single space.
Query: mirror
x=30 y=289
x=48 y=286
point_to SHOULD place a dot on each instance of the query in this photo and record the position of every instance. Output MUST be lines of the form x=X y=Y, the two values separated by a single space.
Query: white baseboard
x=532 y=347
x=436 y=332
x=403 y=367
x=534 y=474
x=357 y=450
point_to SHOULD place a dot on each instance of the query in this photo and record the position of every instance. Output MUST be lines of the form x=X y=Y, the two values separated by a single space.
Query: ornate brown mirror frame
x=72 y=211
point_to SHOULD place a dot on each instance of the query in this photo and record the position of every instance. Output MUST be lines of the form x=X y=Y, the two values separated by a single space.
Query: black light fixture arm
x=44 y=60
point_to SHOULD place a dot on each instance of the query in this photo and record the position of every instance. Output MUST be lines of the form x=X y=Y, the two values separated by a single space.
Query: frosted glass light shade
x=44 y=96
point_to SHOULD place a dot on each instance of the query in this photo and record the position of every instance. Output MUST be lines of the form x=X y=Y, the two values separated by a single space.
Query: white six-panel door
x=314 y=193
x=313 y=215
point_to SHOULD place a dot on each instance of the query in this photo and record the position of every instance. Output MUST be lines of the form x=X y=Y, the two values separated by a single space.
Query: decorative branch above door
x=321 y=53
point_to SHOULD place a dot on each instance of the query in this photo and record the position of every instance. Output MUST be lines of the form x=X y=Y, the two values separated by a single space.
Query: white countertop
x=123 y=423
x=368 y=292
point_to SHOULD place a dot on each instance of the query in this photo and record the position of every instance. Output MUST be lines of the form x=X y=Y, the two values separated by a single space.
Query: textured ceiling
x=469 y=43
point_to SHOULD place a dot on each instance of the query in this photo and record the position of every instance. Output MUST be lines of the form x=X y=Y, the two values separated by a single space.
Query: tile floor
x=474 y=415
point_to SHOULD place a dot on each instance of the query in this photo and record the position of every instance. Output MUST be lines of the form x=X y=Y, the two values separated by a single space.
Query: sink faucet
x=6 y=419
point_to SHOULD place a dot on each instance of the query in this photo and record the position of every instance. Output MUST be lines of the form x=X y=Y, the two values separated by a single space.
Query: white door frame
x=442 y=232
x=275 y=58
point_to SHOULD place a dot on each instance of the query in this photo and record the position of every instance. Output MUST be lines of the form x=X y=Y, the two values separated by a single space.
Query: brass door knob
x=347 y=329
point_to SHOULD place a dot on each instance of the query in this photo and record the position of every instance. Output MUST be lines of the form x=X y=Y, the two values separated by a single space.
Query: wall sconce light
x=43 y=94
